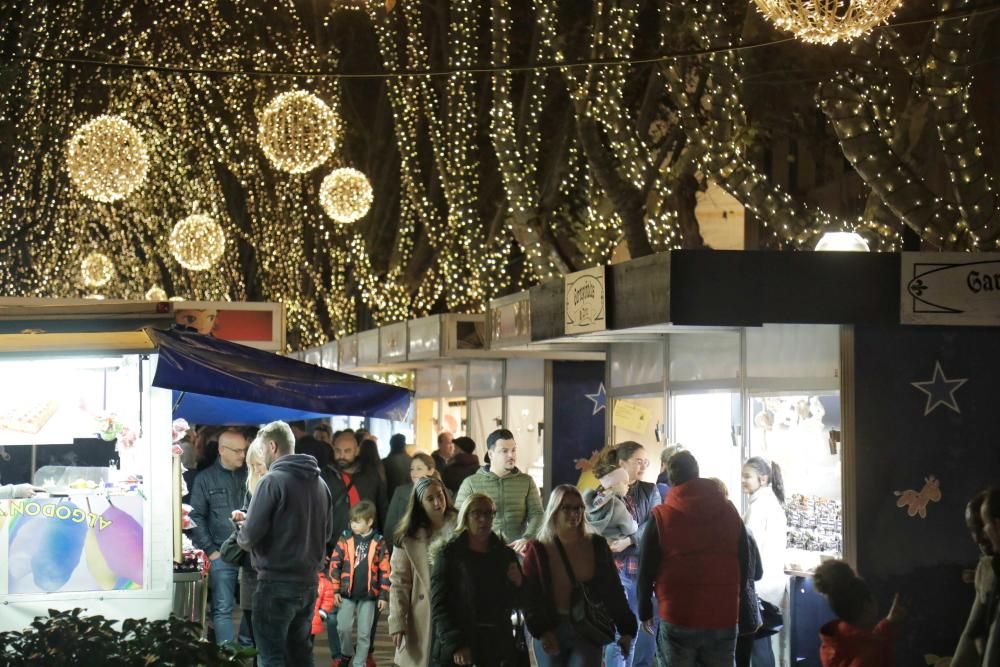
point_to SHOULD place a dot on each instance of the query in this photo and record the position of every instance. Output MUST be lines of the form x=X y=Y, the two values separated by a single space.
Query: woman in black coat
x=474 y=588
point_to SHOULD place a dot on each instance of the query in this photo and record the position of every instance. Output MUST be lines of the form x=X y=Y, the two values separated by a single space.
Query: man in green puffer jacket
x=519 y=506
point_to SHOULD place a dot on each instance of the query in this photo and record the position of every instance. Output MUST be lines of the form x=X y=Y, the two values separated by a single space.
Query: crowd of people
x=471 y=569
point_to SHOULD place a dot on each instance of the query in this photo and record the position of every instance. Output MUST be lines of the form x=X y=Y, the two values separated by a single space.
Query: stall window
x=707 y=424
x=800 y=432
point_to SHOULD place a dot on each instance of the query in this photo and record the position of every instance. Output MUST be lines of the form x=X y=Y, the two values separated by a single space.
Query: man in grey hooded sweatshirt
x=287 y=527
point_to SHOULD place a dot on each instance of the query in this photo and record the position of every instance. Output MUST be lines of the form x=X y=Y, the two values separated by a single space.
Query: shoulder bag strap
x=565 y=560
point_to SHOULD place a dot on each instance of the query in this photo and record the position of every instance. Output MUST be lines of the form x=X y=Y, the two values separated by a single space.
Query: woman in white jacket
x=767 y=522
x=428 y=523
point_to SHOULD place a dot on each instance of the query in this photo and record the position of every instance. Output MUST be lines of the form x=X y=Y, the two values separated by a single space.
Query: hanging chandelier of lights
x=97 y=269
x=826 y=22
x=346 y=195
x=156 y=293
x=107 y=159
x=197 y=242
x=297 y=132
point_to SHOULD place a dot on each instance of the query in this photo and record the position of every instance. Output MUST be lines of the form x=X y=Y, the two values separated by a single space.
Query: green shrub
x=69 y=638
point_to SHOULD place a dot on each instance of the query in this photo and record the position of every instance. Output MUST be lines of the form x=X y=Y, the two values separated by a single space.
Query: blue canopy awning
x=226 y=383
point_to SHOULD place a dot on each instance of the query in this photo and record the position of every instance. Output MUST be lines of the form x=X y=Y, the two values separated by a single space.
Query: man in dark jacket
x=695 y=552
x=462 y=464
x=288 y=525
x=445 y=450
x=350 y=483
x=306 y=444
x=219 y=490
x=397 y=465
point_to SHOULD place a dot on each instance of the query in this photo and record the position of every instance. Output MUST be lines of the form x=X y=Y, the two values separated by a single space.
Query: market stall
x=81 y=420
x=88 y=416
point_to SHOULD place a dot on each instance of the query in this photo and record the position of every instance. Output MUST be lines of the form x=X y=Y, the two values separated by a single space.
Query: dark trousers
x=763 y=653
x=282 y=623
x=744 y=647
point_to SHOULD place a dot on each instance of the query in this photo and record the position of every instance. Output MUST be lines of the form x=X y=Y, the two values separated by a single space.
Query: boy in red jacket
x=324 y=605
x=359 y=568
x=857 y=638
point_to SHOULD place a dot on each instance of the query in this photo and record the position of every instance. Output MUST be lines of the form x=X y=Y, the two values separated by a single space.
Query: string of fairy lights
x=164 y=183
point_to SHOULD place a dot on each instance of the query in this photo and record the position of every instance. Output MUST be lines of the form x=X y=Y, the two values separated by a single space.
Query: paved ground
x=384 y=650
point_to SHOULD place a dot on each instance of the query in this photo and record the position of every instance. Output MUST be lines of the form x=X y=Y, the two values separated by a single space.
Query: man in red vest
x=694 y=551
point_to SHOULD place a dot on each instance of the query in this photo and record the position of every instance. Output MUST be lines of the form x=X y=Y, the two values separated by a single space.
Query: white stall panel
x=328 y=355
x=485 y=378
x=368 y=348
x=695 y=356
x=348 y=353
x=392 y=342
x=635 y=364
x=525 y=377
x=424 y=338
x=428 y=383
x=453 y=381
x=793 y=351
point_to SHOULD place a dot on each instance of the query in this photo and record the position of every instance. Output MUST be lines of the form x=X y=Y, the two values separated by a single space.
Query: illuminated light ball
x=827 y=22
x=197 y=242
x=346 y=195
x=156 y=293
x=297 y=132
x=97 y=269
x=107 y=159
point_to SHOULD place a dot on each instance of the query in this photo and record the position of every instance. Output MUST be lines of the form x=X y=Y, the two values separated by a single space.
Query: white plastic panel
x=485 y=416
x=311 y=356
x=392 y=342
x=793 y=351
x=714 y=356
x=328 y=356
x=428 y=383
x=635 y=364
x=453 y=381
x=485 y=378
x=525 y=416
x=368 y=348
x=347 y=352
x=525 y=377
x=424 y=338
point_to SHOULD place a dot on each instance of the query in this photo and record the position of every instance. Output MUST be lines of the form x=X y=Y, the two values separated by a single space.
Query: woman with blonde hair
x=428 y=522
x=475 y=585
x=561 y=566
x=231 y=552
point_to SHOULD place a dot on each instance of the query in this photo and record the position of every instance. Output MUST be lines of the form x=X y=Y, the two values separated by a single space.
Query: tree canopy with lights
x=380 y=160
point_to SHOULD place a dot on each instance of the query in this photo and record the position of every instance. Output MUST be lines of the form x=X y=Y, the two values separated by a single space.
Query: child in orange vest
x=858 y=638
x=325 y=600
x=359 y=568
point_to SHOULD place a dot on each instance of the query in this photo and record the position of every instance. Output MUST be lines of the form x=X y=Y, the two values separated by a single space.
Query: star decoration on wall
x=940 y=390
x=600 y=399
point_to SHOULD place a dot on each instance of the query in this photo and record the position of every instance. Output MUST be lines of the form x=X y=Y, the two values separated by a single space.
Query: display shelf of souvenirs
x=814 y=524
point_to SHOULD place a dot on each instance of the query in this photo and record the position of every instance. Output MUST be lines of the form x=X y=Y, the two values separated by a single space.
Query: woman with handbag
x=475 y=585
x=573 y=598
x=427 y=523
x=768 y=524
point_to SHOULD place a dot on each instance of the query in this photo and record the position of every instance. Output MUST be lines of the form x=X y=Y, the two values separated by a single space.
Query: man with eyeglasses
x=218 y=491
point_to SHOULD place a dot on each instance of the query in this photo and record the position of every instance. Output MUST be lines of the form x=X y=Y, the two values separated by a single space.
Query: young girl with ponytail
x=766 y=520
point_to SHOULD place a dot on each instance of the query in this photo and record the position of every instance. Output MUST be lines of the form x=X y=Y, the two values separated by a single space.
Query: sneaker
x=370 y=661
x=341 y=661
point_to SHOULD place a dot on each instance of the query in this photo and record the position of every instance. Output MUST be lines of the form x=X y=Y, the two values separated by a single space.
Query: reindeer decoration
x=917 y=501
